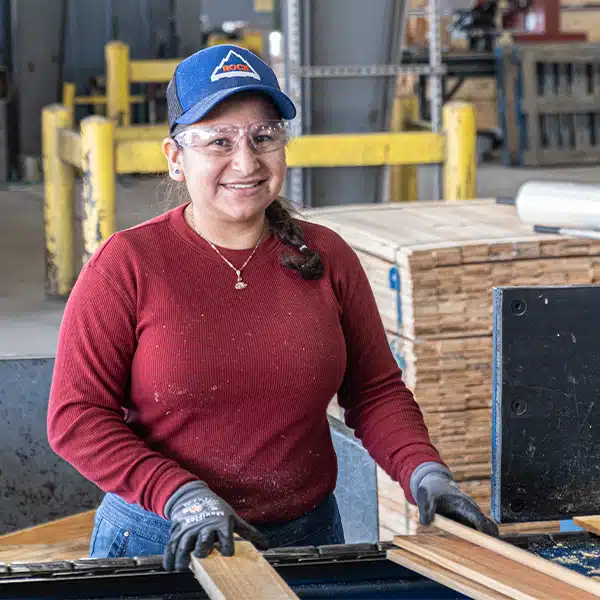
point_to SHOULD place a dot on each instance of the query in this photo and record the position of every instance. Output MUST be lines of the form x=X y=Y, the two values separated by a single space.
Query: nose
x=244 y=160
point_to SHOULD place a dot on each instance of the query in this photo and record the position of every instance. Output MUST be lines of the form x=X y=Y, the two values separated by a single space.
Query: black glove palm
x=437 y=492
x=201 y=519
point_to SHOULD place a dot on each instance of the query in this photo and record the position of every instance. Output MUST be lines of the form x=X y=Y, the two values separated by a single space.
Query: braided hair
x=305 y=261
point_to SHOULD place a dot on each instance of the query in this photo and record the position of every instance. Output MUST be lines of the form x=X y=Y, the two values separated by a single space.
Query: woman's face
x=229 y=187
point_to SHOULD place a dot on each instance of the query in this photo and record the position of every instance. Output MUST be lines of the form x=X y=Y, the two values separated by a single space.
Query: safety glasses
x=223 y=140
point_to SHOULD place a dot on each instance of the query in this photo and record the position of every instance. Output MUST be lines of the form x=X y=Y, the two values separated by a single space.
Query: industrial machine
x=353 y=571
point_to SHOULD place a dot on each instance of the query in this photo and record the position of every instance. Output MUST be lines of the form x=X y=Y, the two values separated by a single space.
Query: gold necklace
x=240 y=284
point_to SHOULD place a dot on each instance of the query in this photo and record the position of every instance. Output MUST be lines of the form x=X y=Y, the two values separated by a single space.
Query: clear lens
x=222 y=140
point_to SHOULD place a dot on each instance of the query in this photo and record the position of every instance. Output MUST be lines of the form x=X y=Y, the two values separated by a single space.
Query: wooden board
x=507 y=550
x=48 y=552
x=510 y=577
x=75 y=527
x=446 y=577
x=591 y=523
x=246 y=575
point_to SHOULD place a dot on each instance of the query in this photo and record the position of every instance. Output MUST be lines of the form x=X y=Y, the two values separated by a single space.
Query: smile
x=242 y=186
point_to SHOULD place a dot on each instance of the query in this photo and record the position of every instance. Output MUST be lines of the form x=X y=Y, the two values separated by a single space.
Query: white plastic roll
x=559 y=204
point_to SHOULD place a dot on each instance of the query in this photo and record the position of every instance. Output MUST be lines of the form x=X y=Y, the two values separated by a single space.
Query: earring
x=176 y=171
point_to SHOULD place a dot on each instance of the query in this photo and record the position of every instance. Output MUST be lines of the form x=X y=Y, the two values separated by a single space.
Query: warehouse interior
x=455 y=146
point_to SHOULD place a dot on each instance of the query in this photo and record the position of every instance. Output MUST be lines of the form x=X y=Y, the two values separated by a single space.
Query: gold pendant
x=239 y=284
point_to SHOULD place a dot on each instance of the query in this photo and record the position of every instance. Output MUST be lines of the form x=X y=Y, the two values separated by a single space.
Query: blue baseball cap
x=212 y=74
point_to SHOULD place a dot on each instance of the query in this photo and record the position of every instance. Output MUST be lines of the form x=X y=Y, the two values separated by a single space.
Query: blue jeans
x=122 y=529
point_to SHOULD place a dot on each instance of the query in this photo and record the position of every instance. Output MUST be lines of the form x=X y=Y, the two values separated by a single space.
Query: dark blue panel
x=545 y=453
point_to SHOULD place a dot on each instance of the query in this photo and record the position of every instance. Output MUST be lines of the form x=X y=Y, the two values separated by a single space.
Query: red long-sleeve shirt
x=165 y=373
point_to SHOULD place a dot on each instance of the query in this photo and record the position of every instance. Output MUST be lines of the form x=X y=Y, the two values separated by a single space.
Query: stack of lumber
x=416 y=33
x=481 y=93
x=432 y=267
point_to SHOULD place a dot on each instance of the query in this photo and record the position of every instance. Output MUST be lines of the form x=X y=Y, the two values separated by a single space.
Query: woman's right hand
x=200 y=519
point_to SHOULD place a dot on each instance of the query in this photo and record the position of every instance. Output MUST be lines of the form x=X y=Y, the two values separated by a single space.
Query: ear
x=174 y=156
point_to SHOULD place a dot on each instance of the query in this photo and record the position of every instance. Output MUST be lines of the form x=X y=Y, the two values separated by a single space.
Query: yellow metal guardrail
x=101 y=150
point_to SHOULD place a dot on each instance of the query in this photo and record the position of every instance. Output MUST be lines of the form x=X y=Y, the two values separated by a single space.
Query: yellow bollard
x=98 y=158
x=59 y=214
x=68 y=100
x=461 y=139
x=404 y=183
x=116 y=55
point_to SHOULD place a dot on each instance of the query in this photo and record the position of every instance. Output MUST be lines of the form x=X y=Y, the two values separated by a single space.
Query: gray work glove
x=200 y=519
x=435 y=491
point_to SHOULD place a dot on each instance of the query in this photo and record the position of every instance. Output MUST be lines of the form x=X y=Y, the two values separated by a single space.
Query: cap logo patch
x=233 y=65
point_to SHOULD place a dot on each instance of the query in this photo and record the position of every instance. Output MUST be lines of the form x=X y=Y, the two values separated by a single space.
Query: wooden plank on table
x=559 y=572
x=74 y=527
x=245 y=576
x=511 y=577
x=450 y=579
x=591 y=523
x=48 y=552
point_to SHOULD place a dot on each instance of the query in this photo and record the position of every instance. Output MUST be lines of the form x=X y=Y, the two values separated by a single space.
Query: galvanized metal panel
x=188 y=26
x=151 y=28
x=356 y=489
x=368 y=34
x=93 y=23
x=36 y=65
x=35 y=484
x=219 y=11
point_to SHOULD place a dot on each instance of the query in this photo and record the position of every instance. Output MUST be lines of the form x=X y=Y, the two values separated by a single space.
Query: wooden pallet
x=549 y=97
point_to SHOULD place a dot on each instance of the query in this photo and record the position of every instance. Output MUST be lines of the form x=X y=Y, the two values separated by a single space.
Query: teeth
x=241 y=186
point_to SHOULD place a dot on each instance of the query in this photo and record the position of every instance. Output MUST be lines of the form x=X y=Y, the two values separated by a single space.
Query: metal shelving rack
x=299 y=75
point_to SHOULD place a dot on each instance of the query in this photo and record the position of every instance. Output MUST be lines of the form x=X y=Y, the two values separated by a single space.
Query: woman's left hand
x=437 y=492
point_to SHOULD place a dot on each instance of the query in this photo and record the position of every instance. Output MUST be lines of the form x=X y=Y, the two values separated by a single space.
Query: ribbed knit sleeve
x=379 y=406
x=86 y=424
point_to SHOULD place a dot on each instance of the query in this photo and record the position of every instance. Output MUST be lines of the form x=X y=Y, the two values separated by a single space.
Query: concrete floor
x=29 y=322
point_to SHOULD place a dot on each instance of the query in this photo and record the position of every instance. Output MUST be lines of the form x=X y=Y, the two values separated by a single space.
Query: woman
x=199 y=350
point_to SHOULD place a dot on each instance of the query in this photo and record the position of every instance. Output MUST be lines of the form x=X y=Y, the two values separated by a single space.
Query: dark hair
x=305 y=261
